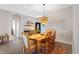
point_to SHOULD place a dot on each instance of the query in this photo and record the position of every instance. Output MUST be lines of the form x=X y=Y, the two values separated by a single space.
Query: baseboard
x=70 y=43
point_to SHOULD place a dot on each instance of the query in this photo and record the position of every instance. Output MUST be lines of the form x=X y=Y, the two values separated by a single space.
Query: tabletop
x=37 y=36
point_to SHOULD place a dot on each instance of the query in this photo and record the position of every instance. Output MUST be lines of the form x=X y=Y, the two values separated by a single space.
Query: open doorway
x=16 y=20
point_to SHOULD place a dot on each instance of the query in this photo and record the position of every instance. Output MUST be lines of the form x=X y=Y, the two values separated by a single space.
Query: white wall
x=75 y=28
x=61 y=21
x=4 y=22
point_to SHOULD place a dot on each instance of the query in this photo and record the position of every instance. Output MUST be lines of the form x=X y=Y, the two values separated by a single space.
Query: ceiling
x=33 y=10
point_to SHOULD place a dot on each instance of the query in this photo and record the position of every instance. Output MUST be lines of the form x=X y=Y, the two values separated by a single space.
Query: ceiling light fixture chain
x=43 y=9
x=44 y=18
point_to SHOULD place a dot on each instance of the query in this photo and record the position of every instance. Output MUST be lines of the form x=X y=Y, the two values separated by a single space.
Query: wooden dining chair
x=53 y=37
x=29 y=46
x=1 y=41
x=52 y=41
x=44 y=47
x=5 y=38
x=48 y=42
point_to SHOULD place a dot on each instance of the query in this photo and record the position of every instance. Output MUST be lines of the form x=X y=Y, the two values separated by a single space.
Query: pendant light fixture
x=44 y=18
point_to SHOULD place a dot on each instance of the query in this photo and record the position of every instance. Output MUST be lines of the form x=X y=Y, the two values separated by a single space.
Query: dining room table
x=38 y=38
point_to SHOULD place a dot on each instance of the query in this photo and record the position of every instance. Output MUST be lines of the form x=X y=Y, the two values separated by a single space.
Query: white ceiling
x=33 y=10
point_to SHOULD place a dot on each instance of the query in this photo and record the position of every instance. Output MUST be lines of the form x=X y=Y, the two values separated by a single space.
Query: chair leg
x=47 y=49
x=23 y=50
x=26 y=50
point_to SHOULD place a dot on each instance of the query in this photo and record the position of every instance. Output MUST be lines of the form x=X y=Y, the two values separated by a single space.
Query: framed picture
x=38 y=26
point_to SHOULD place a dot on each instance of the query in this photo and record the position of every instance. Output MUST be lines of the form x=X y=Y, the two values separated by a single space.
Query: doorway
x=16 y=26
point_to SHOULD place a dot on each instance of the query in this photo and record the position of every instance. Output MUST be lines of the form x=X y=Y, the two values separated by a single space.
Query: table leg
x=38 y=47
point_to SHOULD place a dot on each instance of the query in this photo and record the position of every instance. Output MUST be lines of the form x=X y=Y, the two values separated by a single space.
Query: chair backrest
x=0 y=37
x=53 y=35
x=48 y=34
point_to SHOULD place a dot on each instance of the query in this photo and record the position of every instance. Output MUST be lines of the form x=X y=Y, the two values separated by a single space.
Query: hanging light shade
x=43 y=19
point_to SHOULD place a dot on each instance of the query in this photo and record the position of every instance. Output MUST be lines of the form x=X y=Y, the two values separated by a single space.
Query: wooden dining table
x=38 y=38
